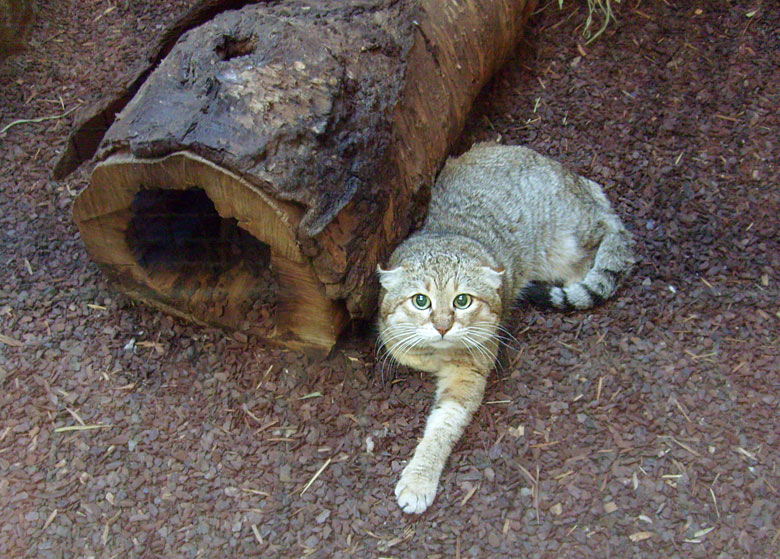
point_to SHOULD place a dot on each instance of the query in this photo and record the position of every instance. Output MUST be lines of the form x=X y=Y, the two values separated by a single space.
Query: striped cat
x=504 y=222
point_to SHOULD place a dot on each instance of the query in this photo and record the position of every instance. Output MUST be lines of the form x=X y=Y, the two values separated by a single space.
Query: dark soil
x=646 y=428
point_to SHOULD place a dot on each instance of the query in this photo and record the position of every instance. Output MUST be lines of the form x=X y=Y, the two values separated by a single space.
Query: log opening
x=181 y=241
x=180 y=231
x=194 y=239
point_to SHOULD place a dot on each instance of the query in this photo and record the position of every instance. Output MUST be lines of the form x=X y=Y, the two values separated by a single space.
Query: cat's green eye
x=421 y=301
x=462 y=301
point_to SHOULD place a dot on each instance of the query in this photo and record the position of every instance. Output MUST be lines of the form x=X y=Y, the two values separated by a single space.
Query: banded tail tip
x=577 y=296
x=539 y=294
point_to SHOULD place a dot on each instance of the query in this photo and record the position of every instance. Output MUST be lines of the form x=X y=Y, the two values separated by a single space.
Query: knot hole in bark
x=232 y=47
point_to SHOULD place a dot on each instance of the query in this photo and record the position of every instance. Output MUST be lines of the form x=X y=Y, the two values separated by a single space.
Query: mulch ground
x=646 y=428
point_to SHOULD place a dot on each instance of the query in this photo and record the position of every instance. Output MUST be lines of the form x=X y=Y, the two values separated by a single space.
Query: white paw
x=415 y=490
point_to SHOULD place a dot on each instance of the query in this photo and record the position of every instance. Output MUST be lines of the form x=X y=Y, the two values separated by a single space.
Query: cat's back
x=506 y=186
x=501 y=172
x=487 y=156
x=512 y=185
x=522 y=207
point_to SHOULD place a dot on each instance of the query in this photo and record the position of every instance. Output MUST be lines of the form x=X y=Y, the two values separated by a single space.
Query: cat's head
x=440 y=302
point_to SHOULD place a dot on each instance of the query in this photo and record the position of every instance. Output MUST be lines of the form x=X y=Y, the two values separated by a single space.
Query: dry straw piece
x=601 y=9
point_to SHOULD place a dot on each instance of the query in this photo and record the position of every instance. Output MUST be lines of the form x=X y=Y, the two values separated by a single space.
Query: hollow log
x=280 y=151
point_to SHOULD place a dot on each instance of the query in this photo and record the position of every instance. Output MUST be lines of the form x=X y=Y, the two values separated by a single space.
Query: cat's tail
x=613 y=261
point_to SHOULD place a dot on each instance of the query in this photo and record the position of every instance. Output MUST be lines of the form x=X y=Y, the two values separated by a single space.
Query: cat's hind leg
x=458 y=395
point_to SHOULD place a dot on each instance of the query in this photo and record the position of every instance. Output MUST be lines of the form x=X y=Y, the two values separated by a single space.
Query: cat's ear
x=390 y=278
x=493 y=276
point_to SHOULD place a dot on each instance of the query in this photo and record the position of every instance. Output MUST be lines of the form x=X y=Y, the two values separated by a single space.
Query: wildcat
x=504 y=222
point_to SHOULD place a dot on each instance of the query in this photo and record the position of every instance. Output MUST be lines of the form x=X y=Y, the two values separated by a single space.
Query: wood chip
x=8 y=340
x=75 y=416
x=640 y=536
x=745 y=453
x=469 y=495
x=256 y=532
x=50 y=519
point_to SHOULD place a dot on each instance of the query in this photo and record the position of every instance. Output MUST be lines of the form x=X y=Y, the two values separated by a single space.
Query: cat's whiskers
x=501 y=334
x=379 y=344
x=385 y=359
x=393 y=334
x=401 y=339
x=467 y=345
x=390 y=340
x=403 y=346
x=504 y=331
x=507 y=334
x=482 y=334
x=395 y=331
x=480 y=347
x=407 y=346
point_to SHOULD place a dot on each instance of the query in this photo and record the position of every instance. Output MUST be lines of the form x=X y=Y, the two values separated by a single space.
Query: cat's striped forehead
x=442 y=284
x=424 y=274
x=440 y=274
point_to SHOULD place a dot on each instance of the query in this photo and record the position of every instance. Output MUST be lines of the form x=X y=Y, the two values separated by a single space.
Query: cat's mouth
x=443 y=343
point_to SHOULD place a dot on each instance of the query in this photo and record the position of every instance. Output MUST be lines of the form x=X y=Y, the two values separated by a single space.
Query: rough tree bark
x=280 y=151
x=16 y=19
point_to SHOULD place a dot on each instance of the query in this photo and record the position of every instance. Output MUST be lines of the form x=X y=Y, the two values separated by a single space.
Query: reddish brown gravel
x=647 y=428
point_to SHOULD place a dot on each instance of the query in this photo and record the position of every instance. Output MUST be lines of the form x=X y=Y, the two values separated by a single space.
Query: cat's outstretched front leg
x=458 y=395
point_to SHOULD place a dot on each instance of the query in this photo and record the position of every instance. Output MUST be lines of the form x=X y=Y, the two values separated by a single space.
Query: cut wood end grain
x=189 y=237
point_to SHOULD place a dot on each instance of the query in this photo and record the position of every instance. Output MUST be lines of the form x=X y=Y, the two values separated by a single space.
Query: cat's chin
x=443 y=343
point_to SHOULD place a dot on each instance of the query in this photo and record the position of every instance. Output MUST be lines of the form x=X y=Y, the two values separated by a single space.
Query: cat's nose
x=442 y=330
